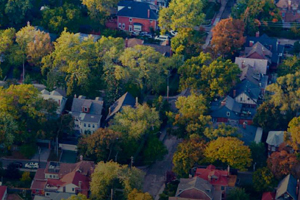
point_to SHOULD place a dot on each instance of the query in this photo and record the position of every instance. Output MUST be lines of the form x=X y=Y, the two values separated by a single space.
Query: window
x=248 y=98
x=89 y=125
x=93 y=126
x=150 y=21
x=130 y=28
x=222 y=188
x=241 y=98
x=47 y=194
x=123 y=26
x=228 y=114
x=120 y=25
x=85 y=109
x=130 y=19
x=50 y=176
x=73 y=189
x=84 y=125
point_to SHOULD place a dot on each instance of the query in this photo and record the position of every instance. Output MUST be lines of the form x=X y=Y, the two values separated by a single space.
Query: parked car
x=173 y=33
x=149 y=35
x=32 y=165
x=162 y=37
x=18 y=164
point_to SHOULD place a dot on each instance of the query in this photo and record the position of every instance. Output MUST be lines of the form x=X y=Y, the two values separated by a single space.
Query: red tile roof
x=40 y=174
x=214 y=176
x=2 y=191
x=38 y=185
x=268 y=196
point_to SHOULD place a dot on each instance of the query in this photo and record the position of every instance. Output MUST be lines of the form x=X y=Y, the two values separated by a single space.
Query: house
x=287 y=189
x=228 y=110
x=133 y=16
x=58 y=181
x=3 y=192
x=258 y=65
x=126 y=100
x=163 y=48
x=289 y=10
x=159 y=3
x=274 y=140
x=57 y=97
x=268 y=196
x=247 y=93
x=196 y=189
x=220 y=179
x=267 y=48
x=87 y=114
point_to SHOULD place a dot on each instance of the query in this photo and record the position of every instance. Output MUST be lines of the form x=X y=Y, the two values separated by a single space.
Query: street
x=6 y=162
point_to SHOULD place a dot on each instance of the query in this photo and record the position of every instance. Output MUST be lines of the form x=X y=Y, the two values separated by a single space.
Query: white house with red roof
x=60 y=181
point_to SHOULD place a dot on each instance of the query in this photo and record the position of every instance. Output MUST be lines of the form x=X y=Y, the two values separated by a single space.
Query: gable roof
x=275 y=138
x=131 y=42
x=259 y=49
x=250 y=89
x=259 y=65
x=232 y=105
x=287 y=185
x=195 y=183
x=2 y=191
x=126 y=100
x=86 y=168
x=137 y=10
x=268 y=196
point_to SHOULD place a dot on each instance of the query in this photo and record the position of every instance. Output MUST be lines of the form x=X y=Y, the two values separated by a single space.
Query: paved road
x=227 y=11
x=286 y=41
x=155 y=175
x=6 y=162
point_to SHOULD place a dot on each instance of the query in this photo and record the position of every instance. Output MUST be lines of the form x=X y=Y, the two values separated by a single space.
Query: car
x=173 y=33
x=32 y=165
x=162 y=37
x=145 y=34
x=18 y=164
x=288 y=46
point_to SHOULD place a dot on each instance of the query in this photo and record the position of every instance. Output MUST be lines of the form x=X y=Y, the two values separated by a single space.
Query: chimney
x=228 y=169
x=79 y=184
x=155 y=2
x=234 y=93
x=109 y=110
x=74 y=95
x=223 y=103
x=257 y=34
x=28 y=23
x=59 y=102
x=136 y=101
x=251 y=43
x=244 y=125
x=148 y=13
x=81 y=157
x=126 y=42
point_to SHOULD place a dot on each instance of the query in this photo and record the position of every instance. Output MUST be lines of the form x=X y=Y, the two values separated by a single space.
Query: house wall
x=69 y=188
x=221 y=119
x=248 y=121
x=194 y=194
x=86 y=128
x=53 y=176
x=146 y=23
x=244 y=99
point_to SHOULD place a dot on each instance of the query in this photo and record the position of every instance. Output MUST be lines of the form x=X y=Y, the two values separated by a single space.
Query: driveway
x=155 y=175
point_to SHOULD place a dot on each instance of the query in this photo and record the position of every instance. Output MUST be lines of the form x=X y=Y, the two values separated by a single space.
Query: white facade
x=57 y=97
x=70 y=188
x=244 y=99
x=53 y=176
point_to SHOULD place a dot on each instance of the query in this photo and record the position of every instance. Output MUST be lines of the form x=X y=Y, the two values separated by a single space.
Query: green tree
x=181 y=15
x=293 y=130
x=154 y=150
x=264 y=180
x=101 y=145
x=6 y=39
x=290 y=65
x=238 y=194
x=135 y=122
x=16 y=10
x=139 y=195
x=229 y=150
x=286 y=93
x=77 y=197
x=188 y=153
x=56 y=19
x=111 y=175
x=25 y=177
x=191 y=117
x=258 y=154
x=100 y=9
x=222 y=130
x=8 y=129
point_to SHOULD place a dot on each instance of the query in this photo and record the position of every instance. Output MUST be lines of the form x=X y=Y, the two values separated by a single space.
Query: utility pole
x=131 y=162
x=168 y=87
x=111 y=194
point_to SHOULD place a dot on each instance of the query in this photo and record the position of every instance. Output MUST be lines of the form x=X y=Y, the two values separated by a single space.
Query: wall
x=53 y=176
x=145 y=22
x=243 y=98
x=69 y=188
x=87 y=128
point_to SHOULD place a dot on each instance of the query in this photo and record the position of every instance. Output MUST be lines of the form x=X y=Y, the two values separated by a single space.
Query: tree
x=229 y=150
x=222 y=130
x=56 y=19
x=100 y=9
x=269 y=117
x=264 y=180
x=293 y=130
x=8 y=128
x=154 y=150
x=188 y=153
x=258 y=154
x=191 y=117
x=282 y=163
x=286 y=93
x=101 y=145
x=77 y=197
x=138 y=195
x=111 y=175
x=237 y=194
x=135 y=122
x=289 y=66
x=16 y=10
x=181 y=14
x=38 y=48
x=6 y=39
x=228 y=36
x=26 y=177
x=12 y=172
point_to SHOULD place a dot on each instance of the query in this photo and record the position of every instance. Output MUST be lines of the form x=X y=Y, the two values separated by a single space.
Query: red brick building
x=135 y=16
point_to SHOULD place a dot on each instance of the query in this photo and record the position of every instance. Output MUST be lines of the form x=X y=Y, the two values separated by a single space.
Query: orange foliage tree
x=228 y=36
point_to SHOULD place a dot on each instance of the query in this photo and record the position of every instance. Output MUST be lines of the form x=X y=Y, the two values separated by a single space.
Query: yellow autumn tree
x=229 y=150
x=138 y=195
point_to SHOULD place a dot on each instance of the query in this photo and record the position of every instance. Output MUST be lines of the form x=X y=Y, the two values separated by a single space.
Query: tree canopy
x=264 y=180
x=229 y=150
x=238 y=194
x=294 y=131
x=138 y=195
x=222 y=130
x=290 y=65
